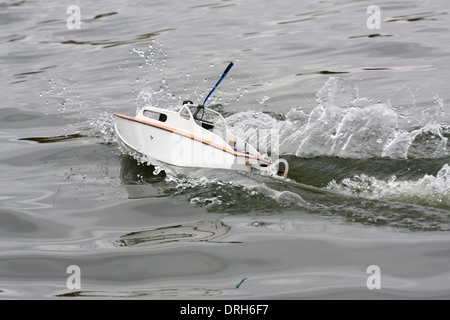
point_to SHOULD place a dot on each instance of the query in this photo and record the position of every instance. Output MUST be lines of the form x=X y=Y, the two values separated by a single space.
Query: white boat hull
x=184 y=139
x=177 y=147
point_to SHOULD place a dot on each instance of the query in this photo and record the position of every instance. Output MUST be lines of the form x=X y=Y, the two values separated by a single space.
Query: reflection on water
x=197 y=231
x=141 y=180
x=158 y=293
x=188 y=292
x=132 y=172
x=416 y=17
x=145 y=191
x=55 y=138
x=116 y=42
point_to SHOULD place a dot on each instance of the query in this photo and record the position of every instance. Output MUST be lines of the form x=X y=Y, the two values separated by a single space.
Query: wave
x=348 y=126
x=409 y=205
x=430 y=190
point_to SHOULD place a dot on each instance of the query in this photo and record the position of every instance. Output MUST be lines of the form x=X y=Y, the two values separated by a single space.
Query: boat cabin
x=206 y=118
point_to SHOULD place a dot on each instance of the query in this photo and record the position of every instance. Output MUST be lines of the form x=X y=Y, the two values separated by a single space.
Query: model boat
x=193 y=136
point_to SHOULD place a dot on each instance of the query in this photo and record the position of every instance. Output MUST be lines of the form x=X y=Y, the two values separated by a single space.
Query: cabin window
x=155 y=115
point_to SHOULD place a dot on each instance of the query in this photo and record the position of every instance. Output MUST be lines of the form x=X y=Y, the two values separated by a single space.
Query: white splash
x=103 y=123
x=346 y=125
x=144 y=99
x=285 y=198
x=429 y=190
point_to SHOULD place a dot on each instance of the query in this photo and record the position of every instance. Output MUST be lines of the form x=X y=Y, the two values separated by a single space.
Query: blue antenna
x=218 y=82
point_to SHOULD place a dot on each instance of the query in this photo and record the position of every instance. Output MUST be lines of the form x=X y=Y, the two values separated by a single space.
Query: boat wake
x=217 y=190
x=429 y=190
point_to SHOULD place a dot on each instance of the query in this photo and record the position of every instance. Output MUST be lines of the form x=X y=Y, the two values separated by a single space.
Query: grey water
x=362 y=111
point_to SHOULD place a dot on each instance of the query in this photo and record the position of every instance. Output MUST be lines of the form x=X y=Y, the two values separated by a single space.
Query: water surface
x=362 y=116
